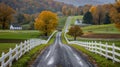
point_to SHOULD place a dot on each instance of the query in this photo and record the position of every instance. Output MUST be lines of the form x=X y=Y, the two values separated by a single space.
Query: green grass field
x=108 y=28
x=4 y=47
x=22 y=34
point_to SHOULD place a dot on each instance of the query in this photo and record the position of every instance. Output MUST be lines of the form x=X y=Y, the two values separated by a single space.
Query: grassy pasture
x=4 y=47
x=22 y=34
x=108 y=28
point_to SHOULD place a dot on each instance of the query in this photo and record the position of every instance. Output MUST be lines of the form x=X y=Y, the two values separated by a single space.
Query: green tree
x=107 y=19
x=88 y=18
x=75 y=31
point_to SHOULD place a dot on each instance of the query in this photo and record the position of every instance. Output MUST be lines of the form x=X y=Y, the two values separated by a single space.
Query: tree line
x=103 y=14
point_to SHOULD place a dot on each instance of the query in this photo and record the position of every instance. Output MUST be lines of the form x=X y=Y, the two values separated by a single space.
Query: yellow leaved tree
x=46 y=22
x=115 y=14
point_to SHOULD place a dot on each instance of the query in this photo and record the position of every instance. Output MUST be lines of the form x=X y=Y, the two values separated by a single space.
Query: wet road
x=60 y=55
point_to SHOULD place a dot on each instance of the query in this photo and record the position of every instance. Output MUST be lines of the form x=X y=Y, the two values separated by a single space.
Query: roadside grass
x=74 y=19
x=107 y=28
x=23 y=34
x=27 y=59
x=4 y=47
x=26 y=26
x=101 y=61
x=63 y=39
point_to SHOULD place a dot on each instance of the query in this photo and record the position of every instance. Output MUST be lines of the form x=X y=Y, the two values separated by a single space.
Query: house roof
x=16 y=25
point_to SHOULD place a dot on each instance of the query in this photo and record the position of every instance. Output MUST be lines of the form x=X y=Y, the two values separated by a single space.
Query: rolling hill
x=34 y=6
x=83 y=2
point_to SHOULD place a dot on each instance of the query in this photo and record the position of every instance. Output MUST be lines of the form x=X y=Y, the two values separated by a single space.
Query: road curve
x=60 y=55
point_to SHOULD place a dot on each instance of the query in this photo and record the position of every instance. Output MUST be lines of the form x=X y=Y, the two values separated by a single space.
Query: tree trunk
x=74 y=37
x=3 y=25
x=46 y=34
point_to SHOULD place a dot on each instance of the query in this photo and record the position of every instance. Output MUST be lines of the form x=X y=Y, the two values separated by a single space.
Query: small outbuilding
x=78 y=22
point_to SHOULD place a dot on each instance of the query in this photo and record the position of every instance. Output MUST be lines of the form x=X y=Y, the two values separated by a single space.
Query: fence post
x=100 y=47
x=28 y=43
x=10 y=57
x=3 y=60
x=92 y=46
x=95 y=47
x=16 y=52
x=113 y=51
x=89 y=45
x=21 y=44
x=106 y=50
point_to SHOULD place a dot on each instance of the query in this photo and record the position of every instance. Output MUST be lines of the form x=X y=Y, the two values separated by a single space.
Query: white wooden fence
x=108 y=51
x=19 y=50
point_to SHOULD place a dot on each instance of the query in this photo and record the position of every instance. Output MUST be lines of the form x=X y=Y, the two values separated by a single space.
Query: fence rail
x=108 y=51
x=19 y=50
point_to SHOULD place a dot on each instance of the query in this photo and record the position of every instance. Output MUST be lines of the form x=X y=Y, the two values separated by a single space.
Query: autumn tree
x=115 y=14
x=64 y=10
x=86 y=8
x=98 y=13
x=46 y=22
x=6 y=15
x=88 y=18
x=75 y=31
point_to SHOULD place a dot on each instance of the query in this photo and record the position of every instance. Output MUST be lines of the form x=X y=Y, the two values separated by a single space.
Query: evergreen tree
x=107 y=19
x=88 y=18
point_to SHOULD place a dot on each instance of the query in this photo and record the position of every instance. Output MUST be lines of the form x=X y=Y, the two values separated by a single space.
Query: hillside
x=108 y=28
x=83 y=2
x=34 y=6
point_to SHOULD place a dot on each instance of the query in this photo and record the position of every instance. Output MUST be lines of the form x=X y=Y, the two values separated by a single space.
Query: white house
x=15 y=27
x=78 y=22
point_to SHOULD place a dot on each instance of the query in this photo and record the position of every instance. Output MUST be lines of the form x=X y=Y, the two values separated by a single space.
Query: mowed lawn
x=107 y=28
x=4 y=47
x=21 y=34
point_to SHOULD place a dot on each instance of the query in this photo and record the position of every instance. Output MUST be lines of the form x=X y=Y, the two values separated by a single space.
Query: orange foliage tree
x=46 y=22
x=5 y=15
x=115 y=14
x=98 y=13
x=75 y=31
